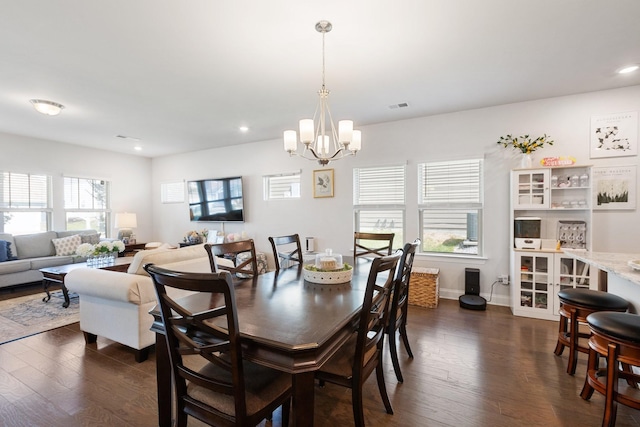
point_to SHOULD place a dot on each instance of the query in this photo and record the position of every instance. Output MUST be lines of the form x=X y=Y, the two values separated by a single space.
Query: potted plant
x=526 y=145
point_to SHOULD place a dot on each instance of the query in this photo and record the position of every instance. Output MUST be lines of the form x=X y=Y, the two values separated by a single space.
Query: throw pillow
x=67 y=245
x=3 y=250
x=90 y=238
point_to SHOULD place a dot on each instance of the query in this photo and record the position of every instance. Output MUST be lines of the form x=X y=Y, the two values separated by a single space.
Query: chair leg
x=394 y=355
x=611 y=405
x=562 y=331
x=356 y=403
x=628 y=369
x=405 y=338
x=286 y=410
x=573 y=344
x=382 y=387
x=592 y=367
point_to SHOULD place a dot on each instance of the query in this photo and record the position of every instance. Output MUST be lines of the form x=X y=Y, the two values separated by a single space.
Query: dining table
x=286 y=323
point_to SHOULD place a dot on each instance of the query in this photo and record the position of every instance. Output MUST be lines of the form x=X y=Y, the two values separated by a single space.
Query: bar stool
x=616 y=337
x=575 y=306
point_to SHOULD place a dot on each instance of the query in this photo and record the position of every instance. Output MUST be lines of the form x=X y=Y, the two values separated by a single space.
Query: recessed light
x=629 y=69
x=48 y=108
x=244 y=128
x=137 y=148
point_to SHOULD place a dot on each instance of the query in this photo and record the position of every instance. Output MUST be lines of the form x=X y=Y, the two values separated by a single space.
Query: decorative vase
x=525 y=161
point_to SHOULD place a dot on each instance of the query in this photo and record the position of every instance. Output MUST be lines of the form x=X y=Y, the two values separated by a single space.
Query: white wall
x=130 y=175
x=466 y=134
x=136 y=180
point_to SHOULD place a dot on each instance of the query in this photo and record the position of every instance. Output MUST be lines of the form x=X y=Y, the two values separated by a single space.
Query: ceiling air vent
x=401 y=105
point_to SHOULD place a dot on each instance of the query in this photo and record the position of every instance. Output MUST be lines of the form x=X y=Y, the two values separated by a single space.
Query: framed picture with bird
x=323 y=183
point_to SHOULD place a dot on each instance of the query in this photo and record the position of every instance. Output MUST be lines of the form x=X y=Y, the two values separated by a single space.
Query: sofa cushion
x=50 y=261
x=162 y=256
x=14 y=266
x=9 y=238
x=35 y=245
x=90 y=238
x=67 y=245
x=67 y=233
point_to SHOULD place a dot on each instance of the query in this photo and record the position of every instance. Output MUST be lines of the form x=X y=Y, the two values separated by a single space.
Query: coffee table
x=55 y=275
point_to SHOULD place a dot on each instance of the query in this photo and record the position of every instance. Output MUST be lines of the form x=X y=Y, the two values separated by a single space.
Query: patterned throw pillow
x=67 y=245
x=90 y=238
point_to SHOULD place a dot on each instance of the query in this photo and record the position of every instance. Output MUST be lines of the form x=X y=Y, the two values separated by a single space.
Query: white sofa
x=116 y=305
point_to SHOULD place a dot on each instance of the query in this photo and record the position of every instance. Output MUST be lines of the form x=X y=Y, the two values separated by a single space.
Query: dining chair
x=369 y=244
x=246 y=268
x=352 y=364
x=286 y=250
x=223 y=389
x=399 y=305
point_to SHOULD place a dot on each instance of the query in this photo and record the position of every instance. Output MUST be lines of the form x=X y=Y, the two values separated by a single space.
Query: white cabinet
x=539 y=277
x=560 y=197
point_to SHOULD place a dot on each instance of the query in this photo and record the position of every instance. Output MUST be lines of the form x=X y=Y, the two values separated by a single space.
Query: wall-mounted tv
x=216 y=200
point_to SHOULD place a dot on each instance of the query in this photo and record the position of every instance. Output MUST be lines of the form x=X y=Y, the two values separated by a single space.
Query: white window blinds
x=450 y=184
x=379 y=186
x=24 y=191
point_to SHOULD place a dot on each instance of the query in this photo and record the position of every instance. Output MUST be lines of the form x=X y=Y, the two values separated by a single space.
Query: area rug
x=29 y=315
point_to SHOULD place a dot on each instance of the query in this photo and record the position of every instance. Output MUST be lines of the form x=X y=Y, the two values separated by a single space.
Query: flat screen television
x=216 y=200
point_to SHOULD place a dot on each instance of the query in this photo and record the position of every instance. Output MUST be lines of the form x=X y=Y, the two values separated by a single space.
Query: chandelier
x=321 y=143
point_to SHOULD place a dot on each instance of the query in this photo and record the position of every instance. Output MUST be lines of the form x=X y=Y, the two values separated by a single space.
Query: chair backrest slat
x=244 y=269
x=372 y=244
x=286 y=249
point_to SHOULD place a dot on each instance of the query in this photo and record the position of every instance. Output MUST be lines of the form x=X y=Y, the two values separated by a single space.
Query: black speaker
x=472 y=281
x=471 y=299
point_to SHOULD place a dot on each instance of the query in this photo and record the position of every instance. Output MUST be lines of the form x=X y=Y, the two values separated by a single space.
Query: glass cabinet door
x=532 y=189
x=536 y=287
x=572 y=273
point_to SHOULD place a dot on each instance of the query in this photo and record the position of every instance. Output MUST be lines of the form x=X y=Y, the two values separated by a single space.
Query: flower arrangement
x=102 y=248
x=196 y=237
x=524 y=143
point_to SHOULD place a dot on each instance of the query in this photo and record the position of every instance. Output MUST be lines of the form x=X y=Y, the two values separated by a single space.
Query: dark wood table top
x=121 y=264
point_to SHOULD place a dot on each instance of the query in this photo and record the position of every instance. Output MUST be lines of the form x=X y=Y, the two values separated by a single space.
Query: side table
x=130 y=249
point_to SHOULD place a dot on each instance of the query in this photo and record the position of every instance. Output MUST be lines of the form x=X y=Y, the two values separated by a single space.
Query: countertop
x=614 y=263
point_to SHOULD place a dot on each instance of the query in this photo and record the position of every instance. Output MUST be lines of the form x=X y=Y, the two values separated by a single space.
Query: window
x=450 y=203
x=379 y=201
x=25 y=203
x=86 y=204
x=283 y=186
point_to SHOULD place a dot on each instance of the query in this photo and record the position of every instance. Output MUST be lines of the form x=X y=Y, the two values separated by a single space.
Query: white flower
x=84 y=250
x=103 y=247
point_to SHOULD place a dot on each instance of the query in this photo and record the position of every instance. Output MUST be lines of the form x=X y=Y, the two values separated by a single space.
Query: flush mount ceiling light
x=629 y=69
x=323 y=144
x=49 y=108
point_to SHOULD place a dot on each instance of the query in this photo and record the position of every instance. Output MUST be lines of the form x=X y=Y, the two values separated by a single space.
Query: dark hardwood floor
x=471 y=368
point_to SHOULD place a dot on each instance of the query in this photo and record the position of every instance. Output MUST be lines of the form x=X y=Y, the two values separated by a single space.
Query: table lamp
x=124 y=223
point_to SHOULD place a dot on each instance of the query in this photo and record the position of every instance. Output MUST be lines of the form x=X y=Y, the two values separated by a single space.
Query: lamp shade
x=126 y=220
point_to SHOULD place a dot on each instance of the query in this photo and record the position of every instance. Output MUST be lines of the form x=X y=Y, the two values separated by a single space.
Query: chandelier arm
x=318 y=148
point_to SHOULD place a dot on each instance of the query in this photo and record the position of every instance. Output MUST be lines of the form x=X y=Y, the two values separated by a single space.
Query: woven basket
x=423 y=287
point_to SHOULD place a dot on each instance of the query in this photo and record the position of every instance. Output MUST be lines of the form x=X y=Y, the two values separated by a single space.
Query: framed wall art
x=323 y=183
x=614 y=187
x=614 y=135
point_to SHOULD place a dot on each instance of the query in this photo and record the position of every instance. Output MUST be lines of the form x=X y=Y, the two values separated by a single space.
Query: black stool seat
x=623 y=326
x=575 y=305
x=615 y=337
x=596 y=299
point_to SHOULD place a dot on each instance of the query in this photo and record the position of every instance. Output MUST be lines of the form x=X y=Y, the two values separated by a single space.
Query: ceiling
x=184 y=75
